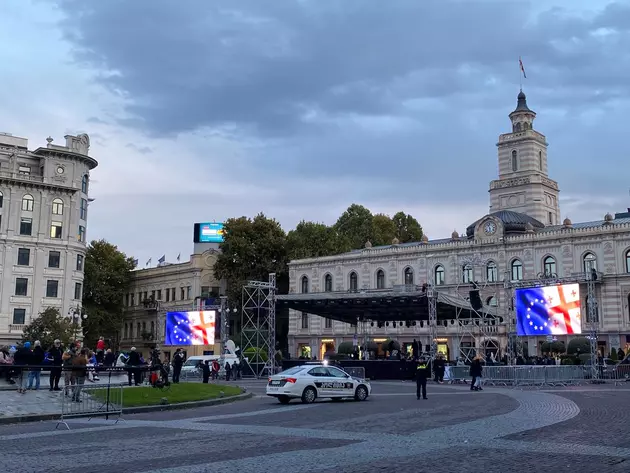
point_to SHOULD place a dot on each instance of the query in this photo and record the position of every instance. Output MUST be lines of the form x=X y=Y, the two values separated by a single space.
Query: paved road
x=579 y=430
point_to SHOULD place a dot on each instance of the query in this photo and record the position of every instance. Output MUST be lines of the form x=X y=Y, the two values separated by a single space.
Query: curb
x=133 y=410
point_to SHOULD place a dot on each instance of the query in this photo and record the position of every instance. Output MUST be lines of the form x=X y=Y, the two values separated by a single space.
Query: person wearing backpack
x=68 y=378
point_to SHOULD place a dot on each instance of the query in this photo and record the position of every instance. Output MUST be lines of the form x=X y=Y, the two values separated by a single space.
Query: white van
x=190 y=369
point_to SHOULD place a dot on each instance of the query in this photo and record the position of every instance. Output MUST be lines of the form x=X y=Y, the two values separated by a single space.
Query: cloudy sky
x=203 y=110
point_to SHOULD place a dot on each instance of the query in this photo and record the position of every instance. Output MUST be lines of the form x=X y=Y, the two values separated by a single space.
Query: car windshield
x=290 y=371
x=190 y=362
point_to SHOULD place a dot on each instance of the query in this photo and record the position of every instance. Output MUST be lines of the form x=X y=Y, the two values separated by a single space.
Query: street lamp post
x=76 y=314
x=225 y=312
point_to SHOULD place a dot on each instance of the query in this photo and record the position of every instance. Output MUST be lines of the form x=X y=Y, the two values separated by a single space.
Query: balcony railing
x=21 y=176
x=16 y=327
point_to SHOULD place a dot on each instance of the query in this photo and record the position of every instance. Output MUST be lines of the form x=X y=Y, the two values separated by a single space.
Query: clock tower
x=523 y=185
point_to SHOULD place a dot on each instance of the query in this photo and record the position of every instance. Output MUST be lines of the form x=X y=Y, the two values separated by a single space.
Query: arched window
x=1 y=199
x=126 y=332
x=628 y=261
x=153 y=328
x=549 y=266
x=467 y=274
x=628 y=306
x=328 y=283
x=540 y=163
x=590 y=262
x=84 y=183
x=27 y=203
x=492 y=272
x=492 y=301
x=408 y=276
x=517 y=127
x=439 y=275
x=517 y=270
x=380 y=279
x=304 y=285
x=57 y=207
x=514 y=161
x=354 y=281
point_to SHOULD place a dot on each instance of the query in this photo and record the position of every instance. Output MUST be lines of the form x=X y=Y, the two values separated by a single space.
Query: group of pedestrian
x=424 y=369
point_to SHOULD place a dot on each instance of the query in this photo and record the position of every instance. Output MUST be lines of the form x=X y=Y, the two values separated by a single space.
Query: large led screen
x=208 y=232
x=548 y=310
x=190 y=328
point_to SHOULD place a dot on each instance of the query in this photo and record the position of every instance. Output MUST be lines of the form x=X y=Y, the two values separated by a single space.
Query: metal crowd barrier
x=91 y=401
x=457 y=374
x=355 y=372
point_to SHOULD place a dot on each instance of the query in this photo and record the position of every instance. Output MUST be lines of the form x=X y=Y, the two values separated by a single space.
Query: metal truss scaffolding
x=477 y=325
x=225 y=322
x=258 y=319
x=515 y=345
x=432 y=297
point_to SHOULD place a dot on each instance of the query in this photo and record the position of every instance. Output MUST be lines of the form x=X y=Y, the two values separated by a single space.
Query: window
x=380 y=279
x=492 y=301
x=408 y=276
x=540 y=163
x=24 y=257
x=336 y=373
x=492 y=272
x=590 y=262
x=21 y=286
x=517 y=270
x=328 y=323
x=439 y=275
x=132 y=299
x=81 y=235
x=328 y=287
x=19 y=316
x=1 y=199
x=24 y=170
x=84 y=206
x=304 y=320
x=549 y=266
x=173 y=294
x=55 y=230
x=28 y=203
x=126 y=332
x=144 y=327
x=168 y=295
x=84 y=183
x=54 y=259
x=354 y=281
x=189 y=292
x=52 y=288
x=57 y=207
x=304 y=282
x=550 y=218
x=467 y=274
x=79 y=262
x=26 y=226
x=139 y=329
x=145 y=296
x=628 y=306
x=153 y=328
x=153 y=295
x=159 y=294
x=628 y=261
x=78 y=289
x=514 y=161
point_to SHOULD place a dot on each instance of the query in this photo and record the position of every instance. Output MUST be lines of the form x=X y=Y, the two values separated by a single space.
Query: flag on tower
x=520 y=63
x=148 y=262
x=162 y=259
x=179 y=257
x=135 y=263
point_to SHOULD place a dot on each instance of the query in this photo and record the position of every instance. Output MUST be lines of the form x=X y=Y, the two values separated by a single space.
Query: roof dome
x=567 y=222
x=425 y=239
x=608 y=218
x=513 y=222
x=521 y=103
x=395 y=241
x=455 y=235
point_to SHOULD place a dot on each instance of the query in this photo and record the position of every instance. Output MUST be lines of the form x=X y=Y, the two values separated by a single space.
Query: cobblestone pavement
x=454 y=430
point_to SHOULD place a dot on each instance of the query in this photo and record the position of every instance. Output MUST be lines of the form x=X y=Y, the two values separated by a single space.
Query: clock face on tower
x=490 y=228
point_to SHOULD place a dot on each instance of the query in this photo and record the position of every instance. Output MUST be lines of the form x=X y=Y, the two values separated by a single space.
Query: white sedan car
x=308 y=382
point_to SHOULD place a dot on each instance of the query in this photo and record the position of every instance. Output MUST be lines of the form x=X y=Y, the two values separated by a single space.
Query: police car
x=310 y=381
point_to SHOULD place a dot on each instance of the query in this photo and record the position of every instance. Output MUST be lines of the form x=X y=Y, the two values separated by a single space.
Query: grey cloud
x=96 y=121
x=139 y=149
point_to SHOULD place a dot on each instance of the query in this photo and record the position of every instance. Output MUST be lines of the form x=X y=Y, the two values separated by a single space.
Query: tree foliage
x=313 y=240
x=106 y=280
x=384 y=230
x=48 y=326
x=355 y=226
x=407 y=228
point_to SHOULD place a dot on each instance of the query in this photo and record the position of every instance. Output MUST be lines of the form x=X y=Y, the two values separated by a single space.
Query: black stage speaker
x=475 y=300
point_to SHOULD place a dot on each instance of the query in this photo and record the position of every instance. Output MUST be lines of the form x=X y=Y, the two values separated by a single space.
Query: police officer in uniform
x=423 y=372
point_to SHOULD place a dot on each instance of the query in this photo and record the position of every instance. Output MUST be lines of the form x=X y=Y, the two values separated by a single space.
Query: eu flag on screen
x=548 y=310
x=190 y=328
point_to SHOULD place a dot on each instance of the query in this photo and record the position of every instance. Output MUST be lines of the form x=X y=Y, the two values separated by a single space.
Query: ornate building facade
x=522 y=238
x=43 y=229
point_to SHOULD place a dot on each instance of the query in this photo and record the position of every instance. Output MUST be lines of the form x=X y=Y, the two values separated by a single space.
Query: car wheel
x=309 y=395
x=361 y=393
x=284 y=399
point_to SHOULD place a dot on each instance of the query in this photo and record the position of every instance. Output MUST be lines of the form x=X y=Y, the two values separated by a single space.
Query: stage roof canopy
x=380 y=305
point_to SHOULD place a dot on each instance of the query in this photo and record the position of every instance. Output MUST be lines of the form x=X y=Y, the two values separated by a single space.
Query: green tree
x=580 y=345
x=355 y=226
x=384 y=230
x=312 y=240
x=48 y=326
x=106 y=280
x=251 y=249
x=407 y=228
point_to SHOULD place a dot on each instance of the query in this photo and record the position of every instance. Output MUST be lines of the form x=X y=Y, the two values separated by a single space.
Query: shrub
x=390 y=345
x=553 y=347
x=579 y=344
x=345 y=348
x=567 y=360
x=256 y=355
x=613 y=354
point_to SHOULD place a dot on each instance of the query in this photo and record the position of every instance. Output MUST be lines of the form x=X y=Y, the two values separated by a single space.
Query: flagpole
x=520 y=73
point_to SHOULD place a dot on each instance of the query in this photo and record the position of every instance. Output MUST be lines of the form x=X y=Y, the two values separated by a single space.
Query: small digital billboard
x=208 y=232
x=190 y=328
x=548 y=310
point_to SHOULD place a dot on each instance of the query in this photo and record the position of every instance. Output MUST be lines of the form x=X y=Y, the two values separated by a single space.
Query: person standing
x=439 y=367
x=21 y=360
x=206 y=371
x=228 y=371
x=68 y=379
x=55 y=354
x=476 y=369
x=37 y=360
x=178 y=362
x=79 y=373
x=423 y=372
x=133 y=362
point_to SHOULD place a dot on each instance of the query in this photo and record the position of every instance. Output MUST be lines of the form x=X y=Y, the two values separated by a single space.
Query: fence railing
x=355 y=371
x=79 y=400
x=538 y=376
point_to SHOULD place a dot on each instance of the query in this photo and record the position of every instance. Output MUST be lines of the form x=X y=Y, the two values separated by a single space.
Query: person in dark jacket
x=37 y=360
x=178 y=362
x=21 y=360
x=476 y=369
x=55 y=354
x=133 y=362
x=439 y=367
x=205 y=368
x=423 y=372
x=110 y=358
